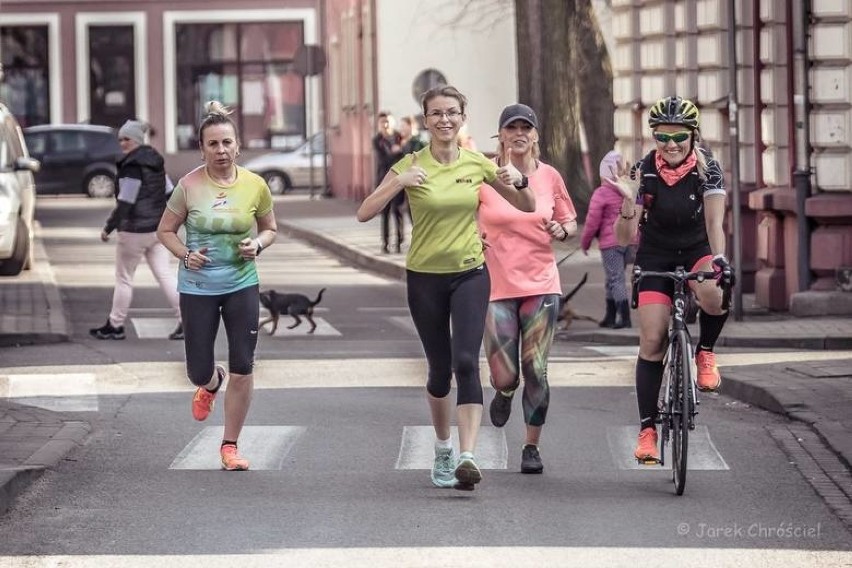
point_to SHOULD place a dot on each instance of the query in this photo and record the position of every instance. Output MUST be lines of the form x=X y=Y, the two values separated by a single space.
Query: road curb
x=347 y=253
x=750 y=389
x=15 y=480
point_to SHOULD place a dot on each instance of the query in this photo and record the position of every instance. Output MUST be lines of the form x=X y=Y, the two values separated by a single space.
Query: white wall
x=475 y=52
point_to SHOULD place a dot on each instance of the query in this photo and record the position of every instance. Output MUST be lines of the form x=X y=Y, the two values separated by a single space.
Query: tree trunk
x=596 y=103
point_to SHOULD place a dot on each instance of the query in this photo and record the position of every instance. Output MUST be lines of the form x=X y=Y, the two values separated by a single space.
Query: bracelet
x=628 y=217
x=186 y=259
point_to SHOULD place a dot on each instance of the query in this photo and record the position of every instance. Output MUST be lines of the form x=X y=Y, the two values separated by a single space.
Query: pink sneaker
x=709 y=378
x=231 y=460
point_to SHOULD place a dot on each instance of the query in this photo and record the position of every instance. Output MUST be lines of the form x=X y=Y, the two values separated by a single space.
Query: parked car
x=285 y=170
x=75 y=158
x=17 y=197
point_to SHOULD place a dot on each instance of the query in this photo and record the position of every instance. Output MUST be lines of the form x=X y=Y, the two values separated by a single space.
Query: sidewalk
x=817 y=393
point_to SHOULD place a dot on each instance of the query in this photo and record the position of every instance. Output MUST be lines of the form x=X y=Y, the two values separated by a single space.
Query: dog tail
x=570 y=294
x=319 y=298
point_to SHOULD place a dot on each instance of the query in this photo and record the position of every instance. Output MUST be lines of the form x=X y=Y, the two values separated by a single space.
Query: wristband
x=523 y=184
x=628 y=217
x=186 y=259
x=259 y=247
x=564 y=236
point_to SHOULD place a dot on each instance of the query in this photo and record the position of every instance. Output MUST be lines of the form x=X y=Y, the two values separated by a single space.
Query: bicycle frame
x=680 y=398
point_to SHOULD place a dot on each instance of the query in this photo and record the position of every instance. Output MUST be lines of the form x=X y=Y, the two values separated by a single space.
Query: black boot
x=623 y=315
x=609 y=317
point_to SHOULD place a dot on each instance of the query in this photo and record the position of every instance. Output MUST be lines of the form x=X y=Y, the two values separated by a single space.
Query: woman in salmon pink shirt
x=525 y=288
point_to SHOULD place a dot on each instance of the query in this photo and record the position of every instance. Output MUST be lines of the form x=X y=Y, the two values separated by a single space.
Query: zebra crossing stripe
x=65 y=392
x=417 y=448
x=266 y=447
x=703 y=454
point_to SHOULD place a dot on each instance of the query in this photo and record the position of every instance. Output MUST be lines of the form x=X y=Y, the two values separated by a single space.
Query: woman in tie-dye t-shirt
x=219 y=205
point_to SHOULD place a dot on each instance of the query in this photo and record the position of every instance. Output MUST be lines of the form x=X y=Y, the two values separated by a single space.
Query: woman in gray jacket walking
x=141 y=200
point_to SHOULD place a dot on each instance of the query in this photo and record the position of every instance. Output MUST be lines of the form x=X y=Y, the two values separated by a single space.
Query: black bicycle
x=680 y=399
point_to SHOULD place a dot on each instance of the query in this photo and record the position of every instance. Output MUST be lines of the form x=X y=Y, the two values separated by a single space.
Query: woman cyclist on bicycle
x=677 y=201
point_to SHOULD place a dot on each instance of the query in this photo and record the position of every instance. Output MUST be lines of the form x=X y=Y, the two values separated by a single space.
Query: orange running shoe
x=709 y=378
x=646 y=450
x=202 y=402
x=231 y=460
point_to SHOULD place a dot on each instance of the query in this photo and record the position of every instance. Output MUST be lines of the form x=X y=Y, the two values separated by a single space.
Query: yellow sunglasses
x=676 y=137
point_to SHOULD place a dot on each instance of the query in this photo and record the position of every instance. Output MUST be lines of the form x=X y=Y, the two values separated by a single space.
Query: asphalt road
x=337 y=435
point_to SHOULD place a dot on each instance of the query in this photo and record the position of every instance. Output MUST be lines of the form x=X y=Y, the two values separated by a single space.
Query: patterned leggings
x=522 y=329
x=614 y=261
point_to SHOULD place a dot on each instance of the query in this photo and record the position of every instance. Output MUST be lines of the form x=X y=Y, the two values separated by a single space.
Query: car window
x=36 y=143
x=104 y=143
x=317 y=144
x=64 y=142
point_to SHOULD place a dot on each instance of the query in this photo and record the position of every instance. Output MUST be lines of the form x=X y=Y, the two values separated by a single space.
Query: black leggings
x=439 y=302
x=240 y=311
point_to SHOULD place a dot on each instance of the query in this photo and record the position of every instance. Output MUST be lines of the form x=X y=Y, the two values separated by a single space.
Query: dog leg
x=313 y=324
x=297 y=321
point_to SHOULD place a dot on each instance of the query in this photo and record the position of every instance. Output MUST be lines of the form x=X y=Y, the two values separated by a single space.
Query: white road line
x=417 y=448
x=153 y=328
x=63 y=392
x=470 y=557
x=324 y=329
x=703 y=454
x=405 y=323
x=265 y=447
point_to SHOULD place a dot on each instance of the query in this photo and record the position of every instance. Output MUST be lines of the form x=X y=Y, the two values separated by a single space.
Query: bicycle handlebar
x=725 y=276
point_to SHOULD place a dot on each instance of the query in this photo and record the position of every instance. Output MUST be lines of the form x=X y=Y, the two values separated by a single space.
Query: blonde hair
x=215 y=113
x=535 y=151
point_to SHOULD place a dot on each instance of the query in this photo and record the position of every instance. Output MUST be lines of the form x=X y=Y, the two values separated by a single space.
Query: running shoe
x=177 y=334
x=709 y=378
x=108 y=331
x=646 y=450
x=202 y=402
x=443 y=468
x=467 y=472
x=531 y=460
x=231 y=460
x=500 y=408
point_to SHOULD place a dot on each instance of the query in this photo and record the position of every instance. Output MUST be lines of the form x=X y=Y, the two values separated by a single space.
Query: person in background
x=604 y=208
x=525 y=287
x=676 y=198
x=141 y=200
x=446 y=276
x=387 y=145
x=219 y=204
x=411 y=142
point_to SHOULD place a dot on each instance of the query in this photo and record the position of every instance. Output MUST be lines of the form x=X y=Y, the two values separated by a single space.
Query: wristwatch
x=525 y=182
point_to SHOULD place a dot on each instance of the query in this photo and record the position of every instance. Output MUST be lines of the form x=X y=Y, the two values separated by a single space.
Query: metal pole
x=310 y=108
x=733 y=125
x=802 y=171
x=326 y=190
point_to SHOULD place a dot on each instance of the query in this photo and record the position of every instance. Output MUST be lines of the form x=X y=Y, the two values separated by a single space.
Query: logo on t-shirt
x=464 y=180
x=220 y=201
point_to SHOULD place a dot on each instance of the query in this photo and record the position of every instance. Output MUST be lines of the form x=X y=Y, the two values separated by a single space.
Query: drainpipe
x=734 y=130
x=759 y=147
x=801 y=112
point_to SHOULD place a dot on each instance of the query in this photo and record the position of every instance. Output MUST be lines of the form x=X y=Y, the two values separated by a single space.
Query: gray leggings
x=240 y=312
x=614 y=262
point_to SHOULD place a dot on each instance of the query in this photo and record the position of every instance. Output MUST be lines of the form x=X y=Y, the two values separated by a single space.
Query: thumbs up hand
x=414 y=175
x=509 y=175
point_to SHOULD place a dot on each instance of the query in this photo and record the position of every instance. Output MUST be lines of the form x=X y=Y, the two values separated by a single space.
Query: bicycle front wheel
x=681 y=380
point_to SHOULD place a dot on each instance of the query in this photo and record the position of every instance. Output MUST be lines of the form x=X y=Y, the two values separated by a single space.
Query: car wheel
x=278 y=182
x=13 y=265
x=99 y=184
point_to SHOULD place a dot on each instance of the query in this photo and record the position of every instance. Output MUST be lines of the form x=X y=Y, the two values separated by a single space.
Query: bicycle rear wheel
x=681 y=379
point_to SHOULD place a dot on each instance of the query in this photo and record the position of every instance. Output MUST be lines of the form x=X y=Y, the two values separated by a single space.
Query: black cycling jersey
x=673 y=216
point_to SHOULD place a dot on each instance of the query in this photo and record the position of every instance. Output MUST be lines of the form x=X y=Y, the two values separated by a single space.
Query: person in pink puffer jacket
x=604 y=208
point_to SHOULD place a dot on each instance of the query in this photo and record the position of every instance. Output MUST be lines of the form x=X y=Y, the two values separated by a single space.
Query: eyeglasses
x=451 y=114
x=676 y=137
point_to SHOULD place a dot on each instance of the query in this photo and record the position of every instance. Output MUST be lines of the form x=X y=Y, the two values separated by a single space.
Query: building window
x=249 y=68
x=26 y=88
x=112 y=84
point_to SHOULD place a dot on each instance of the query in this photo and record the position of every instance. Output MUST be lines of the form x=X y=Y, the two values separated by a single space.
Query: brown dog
x=566 y=313
x=293 y=305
